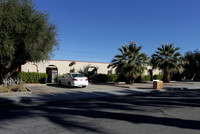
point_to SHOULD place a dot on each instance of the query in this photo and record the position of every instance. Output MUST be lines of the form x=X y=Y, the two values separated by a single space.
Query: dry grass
x=13 y=88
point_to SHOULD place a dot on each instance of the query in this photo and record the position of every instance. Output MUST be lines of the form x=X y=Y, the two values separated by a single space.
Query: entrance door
x=52 y=73
x=54 y=76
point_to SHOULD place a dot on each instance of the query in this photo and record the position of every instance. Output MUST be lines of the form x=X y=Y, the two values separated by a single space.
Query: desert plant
x=168 y=59
x=130 y=63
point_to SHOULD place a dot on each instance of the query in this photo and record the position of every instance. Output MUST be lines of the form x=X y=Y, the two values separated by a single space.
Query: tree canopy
x=168 y=59
x=131 y=62
x=26 y=34
x=193 y=68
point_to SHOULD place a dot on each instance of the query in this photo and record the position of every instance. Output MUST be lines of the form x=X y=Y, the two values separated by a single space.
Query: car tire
x=69 y=84
x=83 y=86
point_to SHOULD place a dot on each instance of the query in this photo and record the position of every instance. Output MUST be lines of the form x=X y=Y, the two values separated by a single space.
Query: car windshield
x=77 y=75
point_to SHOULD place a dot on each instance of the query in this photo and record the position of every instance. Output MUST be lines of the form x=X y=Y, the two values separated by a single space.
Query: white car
x=73 y=79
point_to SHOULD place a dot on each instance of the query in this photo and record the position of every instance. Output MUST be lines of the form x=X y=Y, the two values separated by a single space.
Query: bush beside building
x=32 y=77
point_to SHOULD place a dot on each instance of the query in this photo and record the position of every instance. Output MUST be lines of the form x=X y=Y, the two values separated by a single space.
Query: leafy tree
x=168 y=59
x=193 y=68
x=25 y=35
x=131 y=62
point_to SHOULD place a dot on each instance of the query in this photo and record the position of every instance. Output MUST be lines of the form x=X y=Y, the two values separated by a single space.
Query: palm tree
x=168 y=59
x=193 y=67
x=130 y=63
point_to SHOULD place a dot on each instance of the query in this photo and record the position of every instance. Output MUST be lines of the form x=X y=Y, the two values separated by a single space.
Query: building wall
x=155 y=71
x=64 y=66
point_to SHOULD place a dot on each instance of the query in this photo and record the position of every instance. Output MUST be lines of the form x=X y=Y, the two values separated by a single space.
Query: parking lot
x=105 y=87
x=55 y=92
x=174 y=112
x=52 y=88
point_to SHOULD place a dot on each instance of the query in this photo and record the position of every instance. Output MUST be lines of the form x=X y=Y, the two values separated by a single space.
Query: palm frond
x=130 y=62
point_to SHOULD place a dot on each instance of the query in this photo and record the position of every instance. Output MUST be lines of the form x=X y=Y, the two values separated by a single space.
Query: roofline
x=81 y=61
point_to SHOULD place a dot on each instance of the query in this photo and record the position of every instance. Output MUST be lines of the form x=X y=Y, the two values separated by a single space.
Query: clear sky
x=93 y=30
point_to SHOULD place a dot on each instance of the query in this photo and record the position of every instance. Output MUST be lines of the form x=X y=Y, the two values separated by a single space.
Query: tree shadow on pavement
x=61 y=86
x=112 y=85
x=137 y=109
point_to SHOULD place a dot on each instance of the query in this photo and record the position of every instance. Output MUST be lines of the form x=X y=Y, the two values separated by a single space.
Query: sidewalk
x=44 y=93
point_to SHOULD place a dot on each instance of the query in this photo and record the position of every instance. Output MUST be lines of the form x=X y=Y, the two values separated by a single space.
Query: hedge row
x=146 y=78
x=32 y=77
x=105 y=77
x=158 y=77
x=114 y=78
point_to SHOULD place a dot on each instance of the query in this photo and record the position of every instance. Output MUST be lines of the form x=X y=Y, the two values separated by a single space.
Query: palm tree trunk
x=130 y=80
x=166 y=76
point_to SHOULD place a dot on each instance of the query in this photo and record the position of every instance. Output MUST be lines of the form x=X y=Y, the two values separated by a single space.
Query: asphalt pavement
x=170 y=112
x=55 y=92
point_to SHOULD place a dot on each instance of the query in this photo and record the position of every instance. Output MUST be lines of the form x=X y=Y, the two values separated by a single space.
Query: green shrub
x=121 y=78
x=112 y=77
x=102 y=77
x=197 y=77
x=146 y=78
x=177 y=77
x=105 y=77
x=32 y=77
x=158 y=77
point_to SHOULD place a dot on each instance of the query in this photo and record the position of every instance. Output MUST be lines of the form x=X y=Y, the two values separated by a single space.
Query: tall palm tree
x=131 y=62
x=168 y=59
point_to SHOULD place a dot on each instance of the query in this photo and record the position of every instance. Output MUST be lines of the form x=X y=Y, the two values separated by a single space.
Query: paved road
x=43 y=92
x=173 y=112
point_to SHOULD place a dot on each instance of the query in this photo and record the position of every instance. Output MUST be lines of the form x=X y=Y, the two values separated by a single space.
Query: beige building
x=58 y=67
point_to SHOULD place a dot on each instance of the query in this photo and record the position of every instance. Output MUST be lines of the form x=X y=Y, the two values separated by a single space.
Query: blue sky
x=93 y=30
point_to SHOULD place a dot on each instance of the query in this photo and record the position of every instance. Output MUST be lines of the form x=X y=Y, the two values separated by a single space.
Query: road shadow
x=112 y=85
x=133 y=109
x=61 y=86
